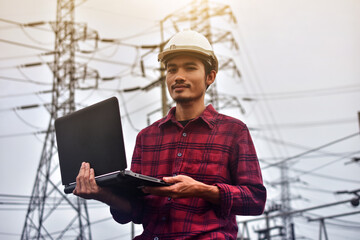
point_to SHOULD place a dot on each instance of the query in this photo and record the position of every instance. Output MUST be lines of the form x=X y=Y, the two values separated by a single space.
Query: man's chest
x=204 y=156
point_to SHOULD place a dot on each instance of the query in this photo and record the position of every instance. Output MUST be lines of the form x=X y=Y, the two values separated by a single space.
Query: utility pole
x=266 y=234
x=52 y=214
x=287 y=219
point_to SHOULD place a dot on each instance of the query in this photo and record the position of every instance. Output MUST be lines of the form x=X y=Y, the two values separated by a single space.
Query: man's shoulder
x=152 y=128
x=230 y=121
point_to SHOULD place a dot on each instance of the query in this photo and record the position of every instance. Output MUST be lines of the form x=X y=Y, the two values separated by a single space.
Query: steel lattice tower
x=51 y=214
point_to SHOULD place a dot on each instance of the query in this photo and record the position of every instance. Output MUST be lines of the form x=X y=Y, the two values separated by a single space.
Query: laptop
x=94 y=134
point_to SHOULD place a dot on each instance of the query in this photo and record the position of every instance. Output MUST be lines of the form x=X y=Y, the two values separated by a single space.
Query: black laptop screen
x=94 y=135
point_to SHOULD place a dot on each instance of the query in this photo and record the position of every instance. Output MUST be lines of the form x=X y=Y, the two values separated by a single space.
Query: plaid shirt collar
x=209 y=117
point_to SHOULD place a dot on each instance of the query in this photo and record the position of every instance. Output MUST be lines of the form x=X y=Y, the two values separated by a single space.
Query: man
x=209 y=158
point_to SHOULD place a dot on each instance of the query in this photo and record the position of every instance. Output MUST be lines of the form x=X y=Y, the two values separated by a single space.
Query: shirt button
x=179 y=154
x=184 y=134
x=169 y=198
x=156 y=238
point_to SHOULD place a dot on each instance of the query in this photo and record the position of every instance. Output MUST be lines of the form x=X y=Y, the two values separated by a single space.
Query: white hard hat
x=189 y=42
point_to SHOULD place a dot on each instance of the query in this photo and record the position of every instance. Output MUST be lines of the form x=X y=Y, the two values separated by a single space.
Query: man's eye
x=171 y=70
x=191 y=68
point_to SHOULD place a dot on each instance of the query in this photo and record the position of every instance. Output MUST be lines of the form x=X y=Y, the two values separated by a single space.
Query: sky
x=299 y=87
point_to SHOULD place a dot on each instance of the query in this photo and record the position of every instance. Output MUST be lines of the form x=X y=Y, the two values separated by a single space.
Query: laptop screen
x=94 y=135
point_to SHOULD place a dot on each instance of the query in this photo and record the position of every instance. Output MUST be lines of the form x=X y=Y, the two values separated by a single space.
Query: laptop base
x=125 y=181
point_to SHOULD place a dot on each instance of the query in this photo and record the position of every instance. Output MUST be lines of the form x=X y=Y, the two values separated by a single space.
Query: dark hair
x=208 y=70
x=207 y=67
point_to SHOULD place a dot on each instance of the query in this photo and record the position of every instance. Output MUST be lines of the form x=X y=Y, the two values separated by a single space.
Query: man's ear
x=210 y=78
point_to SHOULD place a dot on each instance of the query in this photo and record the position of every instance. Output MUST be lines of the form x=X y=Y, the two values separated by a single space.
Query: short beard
x=182 y=100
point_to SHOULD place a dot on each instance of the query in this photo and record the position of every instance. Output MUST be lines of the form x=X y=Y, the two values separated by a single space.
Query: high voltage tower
x=52 y=214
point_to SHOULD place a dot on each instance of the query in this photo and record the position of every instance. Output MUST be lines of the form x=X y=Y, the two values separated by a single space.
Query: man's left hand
x=185 y=187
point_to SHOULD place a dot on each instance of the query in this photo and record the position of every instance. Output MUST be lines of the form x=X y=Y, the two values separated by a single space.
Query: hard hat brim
x=207 y=56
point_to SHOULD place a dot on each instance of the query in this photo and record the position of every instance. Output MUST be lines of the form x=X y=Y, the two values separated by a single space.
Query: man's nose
x=180 y=76
x=179 y=80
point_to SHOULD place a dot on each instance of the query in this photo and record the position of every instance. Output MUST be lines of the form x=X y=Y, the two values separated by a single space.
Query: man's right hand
x=86 y=187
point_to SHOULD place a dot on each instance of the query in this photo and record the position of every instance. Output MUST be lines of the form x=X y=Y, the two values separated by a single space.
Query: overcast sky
x=299 y=62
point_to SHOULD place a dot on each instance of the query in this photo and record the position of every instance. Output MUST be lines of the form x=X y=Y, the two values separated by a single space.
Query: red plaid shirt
x=214 y=149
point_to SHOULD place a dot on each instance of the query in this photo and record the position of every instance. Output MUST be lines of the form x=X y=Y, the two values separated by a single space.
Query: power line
x=328 y=164
x=310 y=151
x=10 y=234
x=25 y=94
x=25 y=107
x=321 y=154
x=307 y=188
x=307 y=124
x=18 y=57
x=25 y=45
x=332 y=177
x=24 y=80
x=116 y=13
x=298 y=146
x=302 y=94
x=325 y=165
x=23 y=134
x=32 y=25
x=24 y=121
x=32 y=38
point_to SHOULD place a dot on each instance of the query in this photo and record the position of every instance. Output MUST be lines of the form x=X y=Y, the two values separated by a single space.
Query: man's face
x=185 y=78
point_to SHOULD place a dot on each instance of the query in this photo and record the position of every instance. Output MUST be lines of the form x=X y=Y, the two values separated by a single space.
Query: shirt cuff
x=226 y=200
x=135 y=215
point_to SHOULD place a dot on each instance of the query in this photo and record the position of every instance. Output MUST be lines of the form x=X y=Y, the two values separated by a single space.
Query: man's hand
x=86 y=187
x=185 y=187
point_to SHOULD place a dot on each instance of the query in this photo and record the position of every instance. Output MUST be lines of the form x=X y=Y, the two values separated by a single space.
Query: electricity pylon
x=51 y=214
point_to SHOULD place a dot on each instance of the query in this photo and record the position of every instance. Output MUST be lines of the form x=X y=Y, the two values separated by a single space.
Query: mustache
x=180 y=85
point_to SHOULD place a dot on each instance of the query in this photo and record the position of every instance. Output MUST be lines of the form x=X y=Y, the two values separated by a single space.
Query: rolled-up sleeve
x=247 y=194
x=134 y=216
x=136 y=202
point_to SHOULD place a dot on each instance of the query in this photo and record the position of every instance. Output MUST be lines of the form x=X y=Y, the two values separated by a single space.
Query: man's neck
x=187 y=111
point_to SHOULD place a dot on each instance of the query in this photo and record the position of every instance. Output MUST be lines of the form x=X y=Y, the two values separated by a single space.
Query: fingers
x=92 y=180
x=176 y=179
x=92 y=176
x=85 y=181
x=169 y=179
x=168 y=191
x=85 y=185
x=81 y=184
x=183 y=186
x=79 y=180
